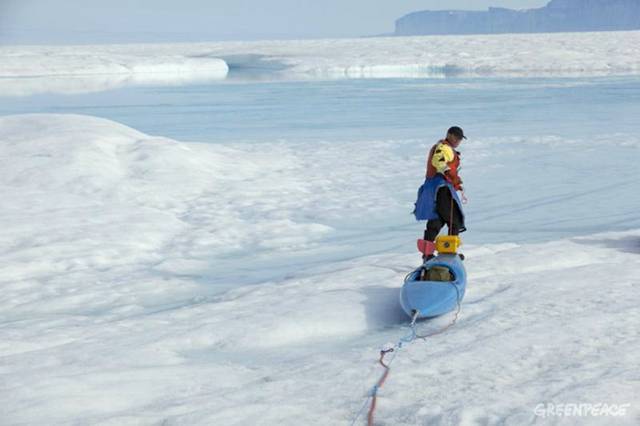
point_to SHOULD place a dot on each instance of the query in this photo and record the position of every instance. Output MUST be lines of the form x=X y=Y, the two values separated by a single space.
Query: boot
x=427 y=248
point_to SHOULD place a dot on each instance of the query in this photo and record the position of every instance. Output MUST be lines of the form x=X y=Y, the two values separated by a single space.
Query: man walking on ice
x=438 y=202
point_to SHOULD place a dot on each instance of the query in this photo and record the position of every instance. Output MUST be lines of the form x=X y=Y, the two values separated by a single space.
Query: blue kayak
x=434 y=298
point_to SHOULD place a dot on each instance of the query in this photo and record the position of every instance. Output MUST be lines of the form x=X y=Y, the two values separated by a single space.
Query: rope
x=465 y=200
x=373 y=392
x=387 y=367
x=409 y=338
x=451 y=215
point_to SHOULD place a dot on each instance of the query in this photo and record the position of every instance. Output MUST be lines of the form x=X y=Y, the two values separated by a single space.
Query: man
x=438 y=201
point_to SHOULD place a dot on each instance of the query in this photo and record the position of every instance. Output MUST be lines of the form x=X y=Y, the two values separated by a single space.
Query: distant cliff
x=556 y=16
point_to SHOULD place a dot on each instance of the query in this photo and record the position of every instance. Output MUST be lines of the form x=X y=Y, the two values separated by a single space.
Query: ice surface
x=563 y=54
x=27 y=70
x=108 y=315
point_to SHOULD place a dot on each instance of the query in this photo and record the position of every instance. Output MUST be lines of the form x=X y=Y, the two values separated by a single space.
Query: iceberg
x=31 y=68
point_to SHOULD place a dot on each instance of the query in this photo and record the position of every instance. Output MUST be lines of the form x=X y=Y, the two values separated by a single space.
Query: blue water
x=360 y=109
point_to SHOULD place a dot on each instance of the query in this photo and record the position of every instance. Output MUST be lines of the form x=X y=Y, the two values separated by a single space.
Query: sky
x=132 y=21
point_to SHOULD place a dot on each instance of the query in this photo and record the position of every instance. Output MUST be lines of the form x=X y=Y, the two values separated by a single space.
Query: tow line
x=409 y=338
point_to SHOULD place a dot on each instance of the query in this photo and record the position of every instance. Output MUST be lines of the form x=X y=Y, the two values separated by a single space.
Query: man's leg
x=427 y=246
x=433 y=229
x=444 y=204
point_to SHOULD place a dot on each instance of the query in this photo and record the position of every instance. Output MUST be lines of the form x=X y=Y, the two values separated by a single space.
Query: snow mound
x=75 y=182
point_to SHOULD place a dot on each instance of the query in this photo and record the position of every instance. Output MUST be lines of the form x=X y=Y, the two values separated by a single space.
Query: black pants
x=444 y=203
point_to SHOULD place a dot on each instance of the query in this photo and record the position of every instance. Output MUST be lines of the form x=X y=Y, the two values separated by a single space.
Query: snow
x=116 y=307
x=516 y=55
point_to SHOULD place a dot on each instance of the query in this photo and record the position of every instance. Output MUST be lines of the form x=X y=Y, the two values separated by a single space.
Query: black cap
x=457 y=132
